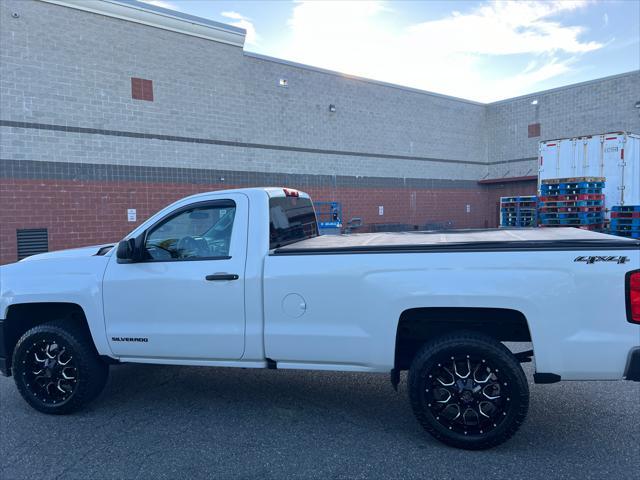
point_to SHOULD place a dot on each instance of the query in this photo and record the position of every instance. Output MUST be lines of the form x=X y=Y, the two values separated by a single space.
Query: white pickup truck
x=240 y=278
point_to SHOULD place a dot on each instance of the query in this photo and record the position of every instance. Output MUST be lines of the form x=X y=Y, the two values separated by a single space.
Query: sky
x=478 y=50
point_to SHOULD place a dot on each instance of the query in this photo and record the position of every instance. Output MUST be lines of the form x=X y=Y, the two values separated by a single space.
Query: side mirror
x=126 y=251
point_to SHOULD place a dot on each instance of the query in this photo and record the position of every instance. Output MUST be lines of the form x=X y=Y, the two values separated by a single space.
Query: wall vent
x=142 y=89
x=533 y=130
x=32 y=241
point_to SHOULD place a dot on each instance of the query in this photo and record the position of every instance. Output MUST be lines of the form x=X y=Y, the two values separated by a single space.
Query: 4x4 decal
x=620 y=259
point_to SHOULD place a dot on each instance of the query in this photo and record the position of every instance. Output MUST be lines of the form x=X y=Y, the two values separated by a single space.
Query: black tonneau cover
x=460 y=240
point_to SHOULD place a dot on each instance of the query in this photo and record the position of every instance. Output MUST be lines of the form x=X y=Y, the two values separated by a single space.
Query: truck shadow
x=260 y=423
x=296 y=396
x=329 y=401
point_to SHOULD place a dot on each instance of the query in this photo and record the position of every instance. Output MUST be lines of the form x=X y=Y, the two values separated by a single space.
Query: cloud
x=503 y=28
x=241 y=21
x=458 y=54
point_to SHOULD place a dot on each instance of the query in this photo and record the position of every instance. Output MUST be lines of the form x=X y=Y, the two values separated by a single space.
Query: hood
x=72 y=253
x=71 y=276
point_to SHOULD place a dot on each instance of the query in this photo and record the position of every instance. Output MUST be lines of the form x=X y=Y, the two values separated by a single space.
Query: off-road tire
x=435 y=356
x=89 y=371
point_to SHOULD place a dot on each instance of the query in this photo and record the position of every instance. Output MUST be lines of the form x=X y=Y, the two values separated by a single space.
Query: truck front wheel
x=57 y=369
x=468 y=390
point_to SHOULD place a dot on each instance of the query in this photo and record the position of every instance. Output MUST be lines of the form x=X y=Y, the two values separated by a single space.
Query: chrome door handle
x=222 y=276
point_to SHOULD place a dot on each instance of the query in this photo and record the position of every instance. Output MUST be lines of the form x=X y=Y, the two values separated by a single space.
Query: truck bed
x=460 y=240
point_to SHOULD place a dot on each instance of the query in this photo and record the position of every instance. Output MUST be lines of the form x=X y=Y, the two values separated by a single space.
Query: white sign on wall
x=381 y=210
x=468 y=208
x=131 y=214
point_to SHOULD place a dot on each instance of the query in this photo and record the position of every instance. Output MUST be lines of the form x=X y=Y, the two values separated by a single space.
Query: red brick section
x=507 y=189
x=78 y=213
x=413 y=207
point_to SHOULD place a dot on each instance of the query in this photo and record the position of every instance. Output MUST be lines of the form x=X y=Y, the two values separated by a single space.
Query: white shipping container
x=614 y=156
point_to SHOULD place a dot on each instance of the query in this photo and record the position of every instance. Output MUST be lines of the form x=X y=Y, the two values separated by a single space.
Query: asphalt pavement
x=191 y=422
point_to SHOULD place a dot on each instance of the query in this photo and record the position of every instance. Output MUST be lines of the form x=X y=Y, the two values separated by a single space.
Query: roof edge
x=590 y=135
x=158 y=17
x=565 y=87
x=326 y=71
x=488 y=181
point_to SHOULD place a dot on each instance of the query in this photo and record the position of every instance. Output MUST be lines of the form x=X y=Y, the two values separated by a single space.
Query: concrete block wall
x=369 y=117
x=588 y=108
x=76 y=150
x=70 y=67
x=73 y=68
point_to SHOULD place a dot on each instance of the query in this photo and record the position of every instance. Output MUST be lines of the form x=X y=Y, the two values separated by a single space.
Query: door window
x=202 y=232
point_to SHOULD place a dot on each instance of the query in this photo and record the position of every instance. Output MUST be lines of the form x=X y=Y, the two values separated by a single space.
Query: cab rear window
x=291 y=219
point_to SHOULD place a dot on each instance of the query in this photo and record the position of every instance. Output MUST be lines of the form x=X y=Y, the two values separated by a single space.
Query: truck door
x=185 y=300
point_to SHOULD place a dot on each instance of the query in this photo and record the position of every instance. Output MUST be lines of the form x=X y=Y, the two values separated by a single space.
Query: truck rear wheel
x=57 y=369
x=468 y=390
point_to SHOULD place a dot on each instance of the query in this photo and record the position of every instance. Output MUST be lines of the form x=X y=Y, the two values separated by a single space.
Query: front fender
x=61 y=280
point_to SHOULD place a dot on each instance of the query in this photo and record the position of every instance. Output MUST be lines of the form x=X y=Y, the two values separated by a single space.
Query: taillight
x=633 y=296
x=290 y=192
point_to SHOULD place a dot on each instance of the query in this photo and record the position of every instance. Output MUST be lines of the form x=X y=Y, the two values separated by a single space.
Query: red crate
x=571 y=209
x=597 y=226
x=625 y=214
x=570 y=198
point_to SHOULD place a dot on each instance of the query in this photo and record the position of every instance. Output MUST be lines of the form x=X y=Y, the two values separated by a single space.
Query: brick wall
x=506 y=189
x=81 y=212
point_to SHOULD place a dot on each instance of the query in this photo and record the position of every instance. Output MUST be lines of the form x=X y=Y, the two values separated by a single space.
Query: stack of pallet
x=625 y=221
x=572 y=202
x=519 y=211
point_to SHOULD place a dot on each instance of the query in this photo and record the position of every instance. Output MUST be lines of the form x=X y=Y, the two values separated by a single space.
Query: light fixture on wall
x=637 y=105
x=284 y=82
x=332 y=108
x=534 y=102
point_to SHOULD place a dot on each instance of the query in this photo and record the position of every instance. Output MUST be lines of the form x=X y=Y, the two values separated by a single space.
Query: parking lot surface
x=189 y=422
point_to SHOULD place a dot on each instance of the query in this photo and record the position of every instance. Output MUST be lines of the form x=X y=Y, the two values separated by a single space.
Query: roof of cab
x=270 y=191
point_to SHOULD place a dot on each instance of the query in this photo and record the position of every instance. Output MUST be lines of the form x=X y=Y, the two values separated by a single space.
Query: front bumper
x=632 y=372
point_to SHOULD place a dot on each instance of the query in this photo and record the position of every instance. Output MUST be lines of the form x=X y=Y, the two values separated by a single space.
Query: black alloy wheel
x=466 y=395
x=50 y=372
